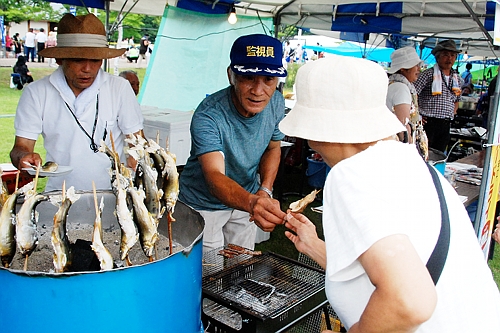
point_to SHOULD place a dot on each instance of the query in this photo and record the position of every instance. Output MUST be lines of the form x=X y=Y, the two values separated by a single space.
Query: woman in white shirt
x=401 y=94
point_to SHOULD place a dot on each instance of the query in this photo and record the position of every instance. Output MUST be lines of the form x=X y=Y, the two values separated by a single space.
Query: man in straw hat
x=438 y=90
x=377 y=241
x=235 y=138
x=76 y=107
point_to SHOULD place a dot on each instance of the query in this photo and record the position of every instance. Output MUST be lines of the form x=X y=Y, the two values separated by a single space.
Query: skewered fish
x=300 y=205
x=59 y=238
x=148 y=233
x=26 y=219
x=102 y=253
x=147 y=177
x=129 y=235
x=8 y=228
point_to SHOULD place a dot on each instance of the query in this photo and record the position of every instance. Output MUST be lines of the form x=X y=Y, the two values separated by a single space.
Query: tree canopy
x=134 y=25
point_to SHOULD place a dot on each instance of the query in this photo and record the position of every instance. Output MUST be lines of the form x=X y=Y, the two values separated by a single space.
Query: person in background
x=402 y=97
x=438 y=90
x=467 y=89
x=467 y=75
x=236 y=147
x=282 y=79
x=17 y=44
x=52 y=42
x=41 y=41
x=132 y=54
x=376 y=243
x=8 y=45
x=132 y=78
x=143 y=49
x=76 y=107
x=29 y=45
x=24 y=73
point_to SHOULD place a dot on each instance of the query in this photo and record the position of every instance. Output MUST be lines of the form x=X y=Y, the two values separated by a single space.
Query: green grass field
x=277 y=243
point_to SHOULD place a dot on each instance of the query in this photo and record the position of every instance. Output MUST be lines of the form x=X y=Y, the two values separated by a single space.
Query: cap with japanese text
x=257 y=55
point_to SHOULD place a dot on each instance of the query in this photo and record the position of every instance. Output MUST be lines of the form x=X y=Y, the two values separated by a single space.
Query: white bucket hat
x=341 y=99
x=405 y=57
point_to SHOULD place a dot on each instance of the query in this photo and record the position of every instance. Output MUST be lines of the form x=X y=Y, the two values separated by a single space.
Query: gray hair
x=125 y=73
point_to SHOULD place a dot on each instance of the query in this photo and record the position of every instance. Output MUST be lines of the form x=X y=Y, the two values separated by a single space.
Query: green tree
x=17 y=11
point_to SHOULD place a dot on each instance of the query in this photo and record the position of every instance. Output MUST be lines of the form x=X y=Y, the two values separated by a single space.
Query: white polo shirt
x=42 y=110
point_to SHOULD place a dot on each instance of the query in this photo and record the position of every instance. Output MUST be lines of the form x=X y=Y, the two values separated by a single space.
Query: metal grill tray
x=264 y=286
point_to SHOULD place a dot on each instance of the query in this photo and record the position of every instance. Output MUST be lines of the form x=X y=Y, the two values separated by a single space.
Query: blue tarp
x=370 y=52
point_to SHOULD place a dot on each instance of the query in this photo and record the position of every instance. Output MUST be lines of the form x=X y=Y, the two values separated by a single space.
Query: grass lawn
x=277 y=243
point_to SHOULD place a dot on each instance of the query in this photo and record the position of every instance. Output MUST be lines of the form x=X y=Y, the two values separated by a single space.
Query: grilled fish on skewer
x=8 y=227
x=59 y=238
x=148 y=234
x=129 y=235
x=102 y=253
x=26 y=219
x=147 y=177
x=300 y=205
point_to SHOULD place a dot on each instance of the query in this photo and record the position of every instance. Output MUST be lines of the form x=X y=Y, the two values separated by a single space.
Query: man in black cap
x=235 y=147
x=438 y=90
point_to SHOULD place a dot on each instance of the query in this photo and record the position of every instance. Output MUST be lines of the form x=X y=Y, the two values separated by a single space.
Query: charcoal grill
x=258 y=293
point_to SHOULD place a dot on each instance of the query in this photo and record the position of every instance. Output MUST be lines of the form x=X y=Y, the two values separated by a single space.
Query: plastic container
x=316 y=172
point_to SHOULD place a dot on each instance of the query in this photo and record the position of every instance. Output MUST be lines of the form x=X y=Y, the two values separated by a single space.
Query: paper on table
x=464 y=198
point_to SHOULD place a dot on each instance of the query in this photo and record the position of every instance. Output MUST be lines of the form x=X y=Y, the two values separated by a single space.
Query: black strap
x=93 y=146
x=436 y=261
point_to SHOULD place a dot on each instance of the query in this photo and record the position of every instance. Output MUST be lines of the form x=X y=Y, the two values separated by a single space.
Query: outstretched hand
x=266 y=213
x=305 y=237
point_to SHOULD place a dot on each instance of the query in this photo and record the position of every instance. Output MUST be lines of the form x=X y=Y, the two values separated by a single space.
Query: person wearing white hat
x=378 y=240
x=402 y=97
x=76 y=107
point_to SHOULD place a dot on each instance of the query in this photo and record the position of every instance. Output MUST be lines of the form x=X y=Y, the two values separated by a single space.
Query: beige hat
x=405 y=57
x=81 y=37
x=341 y=99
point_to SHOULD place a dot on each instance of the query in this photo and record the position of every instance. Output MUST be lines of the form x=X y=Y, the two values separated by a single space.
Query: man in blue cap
x=235 y=147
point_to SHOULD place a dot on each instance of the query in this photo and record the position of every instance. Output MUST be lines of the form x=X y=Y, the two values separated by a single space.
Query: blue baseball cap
x=257 y=55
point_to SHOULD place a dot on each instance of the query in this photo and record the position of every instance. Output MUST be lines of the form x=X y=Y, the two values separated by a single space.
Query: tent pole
x=479 y=23
x=106 y=9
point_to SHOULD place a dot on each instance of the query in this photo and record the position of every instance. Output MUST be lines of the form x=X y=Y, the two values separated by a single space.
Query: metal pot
x=162 y=296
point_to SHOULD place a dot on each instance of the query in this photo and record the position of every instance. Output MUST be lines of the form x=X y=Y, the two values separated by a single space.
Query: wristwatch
x=268 y=191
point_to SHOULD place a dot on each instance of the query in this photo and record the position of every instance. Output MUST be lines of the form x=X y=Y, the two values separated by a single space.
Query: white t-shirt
x=397 y=93
x=42 y=110
x=29 y=40
x=41 y=37
x=365 y=200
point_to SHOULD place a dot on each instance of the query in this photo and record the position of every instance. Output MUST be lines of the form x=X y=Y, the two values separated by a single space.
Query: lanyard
x=93 y=146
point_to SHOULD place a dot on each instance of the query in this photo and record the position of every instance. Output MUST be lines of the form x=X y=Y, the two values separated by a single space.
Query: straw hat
x=81 y=37
x=341 y=99
x=405 y=57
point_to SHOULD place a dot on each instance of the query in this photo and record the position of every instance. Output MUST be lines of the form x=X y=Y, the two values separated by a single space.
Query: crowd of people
x=377 y=247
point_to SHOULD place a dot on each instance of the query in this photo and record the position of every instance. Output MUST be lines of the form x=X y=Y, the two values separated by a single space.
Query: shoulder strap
x=436 y=261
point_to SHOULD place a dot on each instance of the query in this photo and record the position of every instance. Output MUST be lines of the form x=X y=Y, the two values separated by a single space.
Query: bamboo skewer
x=17 y=180
x=34 y=190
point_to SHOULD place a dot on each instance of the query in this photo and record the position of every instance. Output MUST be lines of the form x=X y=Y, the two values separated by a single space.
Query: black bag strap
x=436 y=261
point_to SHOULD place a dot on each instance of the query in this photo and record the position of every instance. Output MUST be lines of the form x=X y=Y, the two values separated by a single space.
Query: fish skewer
x=300 y=205
x=8 y=227
x=60 y=243
x=102 y=253
x=129 y=234
x=148 y=228
x=26 y=219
